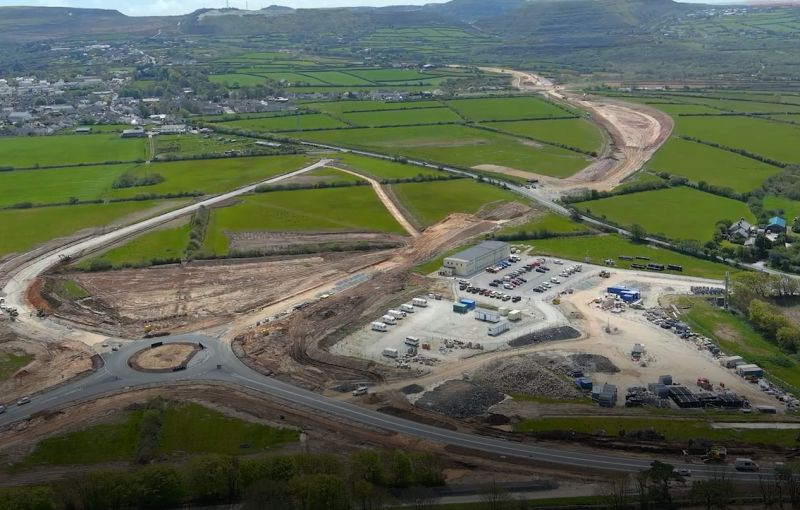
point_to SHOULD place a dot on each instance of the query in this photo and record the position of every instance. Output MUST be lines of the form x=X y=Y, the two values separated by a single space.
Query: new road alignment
x=217 y=363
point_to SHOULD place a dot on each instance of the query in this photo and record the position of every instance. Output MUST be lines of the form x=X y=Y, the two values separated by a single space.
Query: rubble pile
x=461 y=399
x=526 y=374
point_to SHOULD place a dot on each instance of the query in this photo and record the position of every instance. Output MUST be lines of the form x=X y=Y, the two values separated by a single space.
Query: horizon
x=180 y=7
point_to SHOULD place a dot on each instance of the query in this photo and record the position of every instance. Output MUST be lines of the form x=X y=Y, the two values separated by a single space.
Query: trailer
x=412 y=341
x=407 y=307
x=388 y=319
x=397 y=314
x=420 y=302
x=750 y=370
x=732 y=361
x=379 y=326
x=498 y=329
x=485 y=316
x=391 y=352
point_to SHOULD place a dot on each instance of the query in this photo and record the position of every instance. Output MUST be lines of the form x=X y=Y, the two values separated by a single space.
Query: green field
x=431 y=202
x=186 y=429
x=164 y=244
x=237 y=80
x=675 y=213
x=383 y=169
x=330 y=175
x=548 y=222
x=333 y=209
x=578 y=133
x=10 y=362
x=65 y=150
x=698 y=162
x=457 y=145
x=59 y=184
x=736 y=337
x=410 y=116
x=287 y=123
x=379 y=75
x=25 y=228
x=790 y=208
x=339 y=107
x=506 y=108
x=674 y=429
x=337 y=78
x=771 y=139
x=186 y=146
x=596 y=249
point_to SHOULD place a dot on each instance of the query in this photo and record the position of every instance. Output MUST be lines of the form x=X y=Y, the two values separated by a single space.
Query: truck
x=412 y=341
x=420 y=302
x=388 y=319
x=390 y=352
x=397 y=314
x=408 y=308
x=379 y=326
x=744 y=464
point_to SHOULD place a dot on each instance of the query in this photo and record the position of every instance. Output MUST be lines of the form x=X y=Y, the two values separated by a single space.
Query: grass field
x=383 y=169
x=168 y=243
x=772 y=139
x=287 y=123
x=548 y=222
x=212 y=175
x=64 y=150
x=573 y=132
x=431 y=202
x=698 y=162
x=457 y=145
x=186 y=429
x=506 y=108
x=676 y=213
x=329 y=175
x=188 y=145
x=790 y=208
x=674 y=429
x=340 y=107
x=235 y=80
x=339 y=209
x=736 y=337
x=10 y=362
x=59 y=184
x=25 y=228
x=408 y=116
x=596 y=249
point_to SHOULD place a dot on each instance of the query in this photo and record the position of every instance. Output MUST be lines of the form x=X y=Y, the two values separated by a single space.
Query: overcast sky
x=165 y=7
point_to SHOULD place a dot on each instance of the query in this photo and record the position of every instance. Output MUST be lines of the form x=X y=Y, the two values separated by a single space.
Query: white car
x=23 y=401
x=2 y=408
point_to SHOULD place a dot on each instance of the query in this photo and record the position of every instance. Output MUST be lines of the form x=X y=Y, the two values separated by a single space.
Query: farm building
x=741 y=230
x=776 y=225
x=173 y=129
x=475 y=259
x=83 y=130
x=133 y=133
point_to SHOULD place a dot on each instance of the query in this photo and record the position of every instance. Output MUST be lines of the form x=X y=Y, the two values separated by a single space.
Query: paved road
x=117 y=376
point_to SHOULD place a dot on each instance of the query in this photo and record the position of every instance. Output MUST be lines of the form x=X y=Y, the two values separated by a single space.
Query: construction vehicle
x=715 y=454
x=705 y=383
x=148 y=328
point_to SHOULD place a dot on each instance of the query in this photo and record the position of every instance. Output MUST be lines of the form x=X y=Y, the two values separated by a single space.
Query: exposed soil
x=285 y=242
x=163 y=358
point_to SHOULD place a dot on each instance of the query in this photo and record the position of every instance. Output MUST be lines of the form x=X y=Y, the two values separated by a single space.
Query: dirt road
x=387 y=202
x=636 y=131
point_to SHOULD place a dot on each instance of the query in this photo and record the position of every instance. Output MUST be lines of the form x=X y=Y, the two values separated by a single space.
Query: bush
x=128 y=180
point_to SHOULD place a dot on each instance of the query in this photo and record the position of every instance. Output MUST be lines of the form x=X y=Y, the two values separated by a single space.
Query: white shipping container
x=498 y=329
x=514 y=315
x=483 y=315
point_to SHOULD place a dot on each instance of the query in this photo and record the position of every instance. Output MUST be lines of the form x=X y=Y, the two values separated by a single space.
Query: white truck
x=388 y=319
x=397 y=314
x=408 y=308
x=379 y=326
x=412 y=341
x=390 y=352
x=743 y=464
x=420 y=302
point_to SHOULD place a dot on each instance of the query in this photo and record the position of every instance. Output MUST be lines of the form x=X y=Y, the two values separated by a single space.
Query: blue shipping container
x=469 y=302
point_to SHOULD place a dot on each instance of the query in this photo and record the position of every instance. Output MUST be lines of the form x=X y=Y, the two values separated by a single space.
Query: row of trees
x=368 y=479
x=129 y=180
x=752 y=293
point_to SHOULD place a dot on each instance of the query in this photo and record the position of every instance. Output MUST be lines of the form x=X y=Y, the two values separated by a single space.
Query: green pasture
x=506 y=108
x=547 y=222
x=409 y=116
x=790 y=208
x=431 y=202
x=287 y=123
x=165 y=244
x=188 y=145
x=65 y=150
x=698 y=162
x=379 y=75
x=384 y=169
x=10 y=362
x=457 y=145
x=675 y=213
x=236 y=80
x=771 y=139
x=294 y=78
x=331 y=209
x=58 y=185
x=578 y=133
x=596 y=249
x=25 y=228
x=339 y=107
x=338 y=78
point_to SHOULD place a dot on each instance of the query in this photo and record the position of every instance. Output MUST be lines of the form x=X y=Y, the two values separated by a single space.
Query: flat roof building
x=477 y=258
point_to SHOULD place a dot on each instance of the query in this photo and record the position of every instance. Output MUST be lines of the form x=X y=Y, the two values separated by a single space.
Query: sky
x=169 y=7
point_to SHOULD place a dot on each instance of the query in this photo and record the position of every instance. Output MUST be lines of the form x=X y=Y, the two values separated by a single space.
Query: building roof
x=479 y=250
x=777 y=221
x=740 y=225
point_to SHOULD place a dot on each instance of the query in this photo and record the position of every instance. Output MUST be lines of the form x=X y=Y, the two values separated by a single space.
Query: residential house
x=776 y=225
x=741 y=230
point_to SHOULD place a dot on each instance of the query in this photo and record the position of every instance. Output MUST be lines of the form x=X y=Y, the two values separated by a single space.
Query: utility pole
x=727 y=288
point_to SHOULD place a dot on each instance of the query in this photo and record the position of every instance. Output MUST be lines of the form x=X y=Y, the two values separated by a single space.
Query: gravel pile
x=546 y=335
x=526 y=374
x=592 y=363
x=460 y=399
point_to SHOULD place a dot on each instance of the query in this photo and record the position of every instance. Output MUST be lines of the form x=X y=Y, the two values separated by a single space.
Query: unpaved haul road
x=637 y=132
